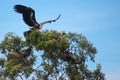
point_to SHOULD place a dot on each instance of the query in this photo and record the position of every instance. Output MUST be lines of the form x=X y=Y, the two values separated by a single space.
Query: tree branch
x=21 y=77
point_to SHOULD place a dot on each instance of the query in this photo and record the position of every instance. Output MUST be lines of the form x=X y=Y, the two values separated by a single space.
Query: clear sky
x=98 y=20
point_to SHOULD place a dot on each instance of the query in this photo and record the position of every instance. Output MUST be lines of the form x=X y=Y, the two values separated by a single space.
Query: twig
x=21 y=77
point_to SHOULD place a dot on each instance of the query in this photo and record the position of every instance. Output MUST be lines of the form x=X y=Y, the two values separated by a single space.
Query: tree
x=48 y=55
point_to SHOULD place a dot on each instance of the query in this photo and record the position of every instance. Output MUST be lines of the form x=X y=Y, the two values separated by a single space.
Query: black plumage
x=29 y=16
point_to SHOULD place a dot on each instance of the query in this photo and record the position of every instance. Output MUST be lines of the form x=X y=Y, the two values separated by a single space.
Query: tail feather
x=20 y=8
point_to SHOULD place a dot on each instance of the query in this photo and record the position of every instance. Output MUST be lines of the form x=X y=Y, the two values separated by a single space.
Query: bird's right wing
x=21 y=9
x=28 y=14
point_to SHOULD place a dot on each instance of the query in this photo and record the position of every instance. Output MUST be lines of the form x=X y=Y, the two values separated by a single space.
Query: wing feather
x=28 y=15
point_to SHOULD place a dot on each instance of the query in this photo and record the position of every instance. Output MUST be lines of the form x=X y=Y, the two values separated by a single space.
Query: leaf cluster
x=64 y=56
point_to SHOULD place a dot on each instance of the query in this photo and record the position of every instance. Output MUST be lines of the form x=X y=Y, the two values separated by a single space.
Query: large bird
x=29 y=16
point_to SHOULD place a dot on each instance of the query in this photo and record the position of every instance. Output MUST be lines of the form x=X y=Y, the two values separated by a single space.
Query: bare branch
x=21 y=77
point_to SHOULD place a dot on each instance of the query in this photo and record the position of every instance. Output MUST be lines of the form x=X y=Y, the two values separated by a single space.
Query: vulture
x=24 y=53
x=29 y=16
x=21 y=55
x=69 y=57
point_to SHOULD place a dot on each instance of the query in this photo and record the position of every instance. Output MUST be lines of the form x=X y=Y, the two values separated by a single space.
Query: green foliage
x=2 y=60
x=63 y=56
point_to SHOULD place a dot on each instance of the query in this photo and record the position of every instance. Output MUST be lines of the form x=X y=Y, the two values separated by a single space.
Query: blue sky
x=98 y=20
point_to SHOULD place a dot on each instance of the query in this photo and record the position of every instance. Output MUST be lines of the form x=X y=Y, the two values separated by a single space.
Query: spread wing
x=28 y=15
x=49 y=21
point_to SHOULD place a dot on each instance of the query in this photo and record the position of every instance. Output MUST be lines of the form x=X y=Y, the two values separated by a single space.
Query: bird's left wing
x=49 y=21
